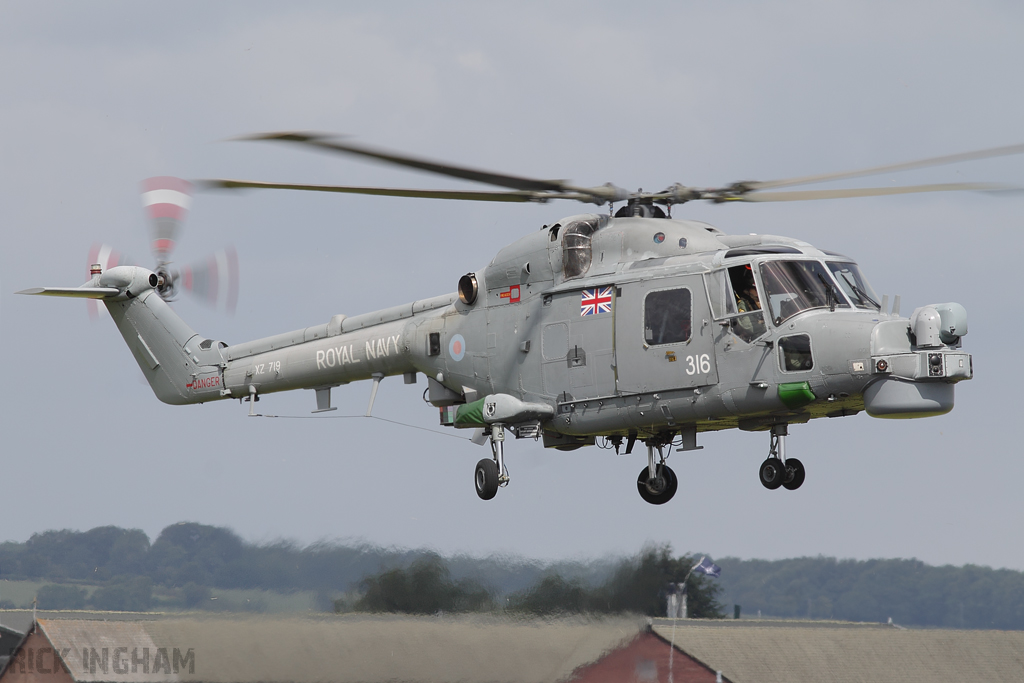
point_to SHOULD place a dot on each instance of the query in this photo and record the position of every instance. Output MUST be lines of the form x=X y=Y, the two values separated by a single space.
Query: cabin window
x=794 y=286
x=795 y=353
x=577 y=251
x=667 y=317
x=857 y=289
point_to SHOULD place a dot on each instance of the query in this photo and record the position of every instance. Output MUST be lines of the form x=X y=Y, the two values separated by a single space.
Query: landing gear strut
x=492 y=473
x=657 y=482
x=778 y=470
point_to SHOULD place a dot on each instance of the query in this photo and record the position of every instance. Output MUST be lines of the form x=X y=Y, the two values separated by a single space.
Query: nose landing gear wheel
x=772 y=473
x=659 y=490
x=486 y=479
x=794 y=474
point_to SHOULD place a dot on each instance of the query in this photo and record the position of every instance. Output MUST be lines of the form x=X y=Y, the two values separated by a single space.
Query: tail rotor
x=166 y=201
x=105 y=257
x=214 y=281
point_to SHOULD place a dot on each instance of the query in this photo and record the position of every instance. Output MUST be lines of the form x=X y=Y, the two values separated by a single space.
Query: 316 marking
x=695 y=364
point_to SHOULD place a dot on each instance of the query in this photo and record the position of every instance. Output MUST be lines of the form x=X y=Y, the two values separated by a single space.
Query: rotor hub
x=166 y=283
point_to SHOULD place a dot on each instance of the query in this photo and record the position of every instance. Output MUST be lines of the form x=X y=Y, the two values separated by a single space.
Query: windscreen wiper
x=861 y=293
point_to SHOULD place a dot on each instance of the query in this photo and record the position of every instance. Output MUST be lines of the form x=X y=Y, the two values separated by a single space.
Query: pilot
x=747 y=299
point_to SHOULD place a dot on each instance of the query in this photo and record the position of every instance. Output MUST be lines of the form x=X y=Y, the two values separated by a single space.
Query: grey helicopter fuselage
x=597 y=326
x=632 y=327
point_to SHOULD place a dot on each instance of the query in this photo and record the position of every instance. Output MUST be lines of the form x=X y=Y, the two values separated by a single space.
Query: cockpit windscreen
x=858 y=290
x=795 y=286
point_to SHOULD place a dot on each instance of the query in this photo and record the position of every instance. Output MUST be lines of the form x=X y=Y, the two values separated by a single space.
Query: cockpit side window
x=858 y=290
x=744 y=289
x=723 y=301
x=576 y=248
x=734 y=297
x=795 y=286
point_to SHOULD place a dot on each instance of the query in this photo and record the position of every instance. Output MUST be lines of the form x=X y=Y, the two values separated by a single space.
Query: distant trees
x=909 y=591
x=425 y=587
x=187 y=560
x=553 y=594
x=60 y=596
x=96 y=555
x=194 y=553
x=125 y=594
x=195 y=595
x=191 y=553
x=638 y=585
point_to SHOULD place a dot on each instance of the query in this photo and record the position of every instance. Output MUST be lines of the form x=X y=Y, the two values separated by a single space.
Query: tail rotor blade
x=106 y=257
x=213 y=280
x=166 y=200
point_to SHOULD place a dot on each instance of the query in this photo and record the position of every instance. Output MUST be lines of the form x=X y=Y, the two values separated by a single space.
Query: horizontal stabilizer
x=74 y=292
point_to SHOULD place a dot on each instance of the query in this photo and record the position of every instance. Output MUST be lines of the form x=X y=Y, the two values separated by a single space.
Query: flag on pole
x=707 y=567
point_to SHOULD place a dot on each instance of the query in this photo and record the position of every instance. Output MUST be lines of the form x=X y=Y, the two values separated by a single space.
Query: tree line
x=910 y=592
x=190 y=559
x=638 y=585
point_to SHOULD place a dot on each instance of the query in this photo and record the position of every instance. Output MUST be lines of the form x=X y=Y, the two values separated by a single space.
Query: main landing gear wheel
x=486 y=479
x=794 y=475
x=772 y=473
x=659 y=490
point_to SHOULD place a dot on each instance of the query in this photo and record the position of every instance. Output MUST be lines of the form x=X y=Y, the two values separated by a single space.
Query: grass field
x=22 y=593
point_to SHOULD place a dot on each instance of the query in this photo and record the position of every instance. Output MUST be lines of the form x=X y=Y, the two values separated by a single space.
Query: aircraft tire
x=668 y=483
x=771 y=473
x=673 y=482
x=486 y=479
x=795 y=474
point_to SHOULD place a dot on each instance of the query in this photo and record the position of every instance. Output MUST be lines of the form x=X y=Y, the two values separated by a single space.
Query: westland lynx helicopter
x=624 y=327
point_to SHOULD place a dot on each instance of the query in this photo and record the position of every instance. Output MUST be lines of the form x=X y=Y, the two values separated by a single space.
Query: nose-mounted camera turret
x=918 y=361
x=935 y=325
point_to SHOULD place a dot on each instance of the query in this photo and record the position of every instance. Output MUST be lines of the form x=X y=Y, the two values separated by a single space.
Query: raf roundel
x=457 y=347
x=659 y=237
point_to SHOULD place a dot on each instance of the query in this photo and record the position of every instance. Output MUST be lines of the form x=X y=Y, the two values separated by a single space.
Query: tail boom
x=183 y=367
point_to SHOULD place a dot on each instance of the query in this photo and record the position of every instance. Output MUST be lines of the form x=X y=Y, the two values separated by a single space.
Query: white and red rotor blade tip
x=214 y=281
x=166 y=200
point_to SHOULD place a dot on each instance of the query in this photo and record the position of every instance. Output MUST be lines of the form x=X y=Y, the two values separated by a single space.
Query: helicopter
x=598 y=329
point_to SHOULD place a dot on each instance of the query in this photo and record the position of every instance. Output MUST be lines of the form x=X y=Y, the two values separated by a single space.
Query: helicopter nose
x=917 y=362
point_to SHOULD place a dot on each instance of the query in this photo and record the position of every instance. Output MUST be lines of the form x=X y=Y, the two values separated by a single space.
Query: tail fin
x=160 y=341
x=157 y=338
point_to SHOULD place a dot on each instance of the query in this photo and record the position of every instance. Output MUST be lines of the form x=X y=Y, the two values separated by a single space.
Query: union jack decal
x=596 y=301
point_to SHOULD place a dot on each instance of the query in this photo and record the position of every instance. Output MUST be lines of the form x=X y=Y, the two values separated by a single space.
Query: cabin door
x=576 y=344
x=663 y=335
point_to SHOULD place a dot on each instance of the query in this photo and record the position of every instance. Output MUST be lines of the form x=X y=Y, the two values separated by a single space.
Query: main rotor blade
x=473 y=195
x=489 y=177
x=890 y=168
x=801 y=195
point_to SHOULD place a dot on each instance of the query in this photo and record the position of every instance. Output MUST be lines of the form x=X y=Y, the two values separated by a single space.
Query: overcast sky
x=95 y=97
